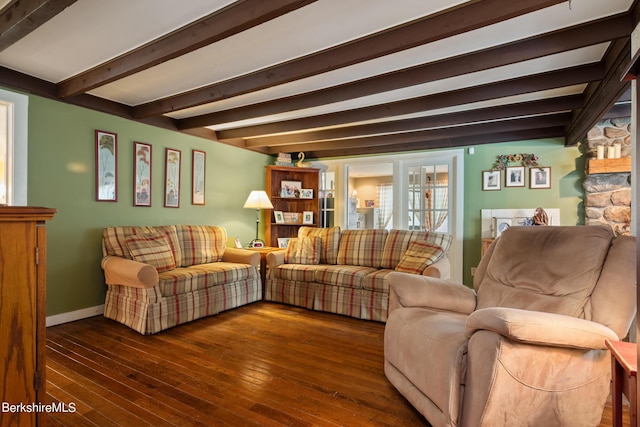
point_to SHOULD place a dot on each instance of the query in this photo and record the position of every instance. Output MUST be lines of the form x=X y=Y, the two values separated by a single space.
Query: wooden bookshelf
x=292 y=201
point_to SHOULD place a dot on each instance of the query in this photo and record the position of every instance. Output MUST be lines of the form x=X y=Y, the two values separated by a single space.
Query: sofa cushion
x=153 y=249
x=350 y=276
x=398 y=241
x=201 y=244
x=377 y=281
x=196 y=277
x=362 y=247
x=114 y=239
x=330 y=242
x=419 y=255
x=294 y=272
x=305 y=250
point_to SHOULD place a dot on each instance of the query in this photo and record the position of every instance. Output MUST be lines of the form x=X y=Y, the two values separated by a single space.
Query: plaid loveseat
x=344 y=272
x=159 y=277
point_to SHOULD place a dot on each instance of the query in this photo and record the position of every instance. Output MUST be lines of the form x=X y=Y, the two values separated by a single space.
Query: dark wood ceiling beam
x=24 y=16
x=315 y=151
x=547 y=121
x=543 y=106
x=233 y=19
x=468 y=17
x=572 y=38
x=518 y=86
x=601 y=96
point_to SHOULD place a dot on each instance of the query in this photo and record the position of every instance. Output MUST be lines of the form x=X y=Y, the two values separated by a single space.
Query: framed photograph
x=307 y=217
x=291 y=217
x=491 y=180
x=106 y=166
x=306 y=193
x=142 y=174
x=369 y=203
x=283 y=242
x=279 y=217
x=290 y=189
x=172 y=178
x=198 y=165
x=540 y=177
x=514 y=176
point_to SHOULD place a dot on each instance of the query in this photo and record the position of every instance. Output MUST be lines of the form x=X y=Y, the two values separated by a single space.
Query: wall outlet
x=473 y=271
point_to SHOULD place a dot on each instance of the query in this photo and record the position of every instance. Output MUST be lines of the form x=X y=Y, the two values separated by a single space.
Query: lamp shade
x=258 y=200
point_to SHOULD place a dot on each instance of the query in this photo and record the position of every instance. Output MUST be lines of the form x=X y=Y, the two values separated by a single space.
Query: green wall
x=566 y=193
x=61 y=175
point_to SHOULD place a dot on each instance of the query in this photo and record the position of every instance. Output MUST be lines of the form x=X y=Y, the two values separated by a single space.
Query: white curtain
x=385 y=201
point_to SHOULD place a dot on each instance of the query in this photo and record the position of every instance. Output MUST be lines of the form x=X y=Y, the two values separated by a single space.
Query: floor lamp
x=257 y=200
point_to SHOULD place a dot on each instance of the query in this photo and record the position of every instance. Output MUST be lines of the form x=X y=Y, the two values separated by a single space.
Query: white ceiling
x=91 y=32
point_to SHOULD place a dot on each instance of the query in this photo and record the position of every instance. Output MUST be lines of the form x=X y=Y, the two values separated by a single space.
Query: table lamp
x=257 y=200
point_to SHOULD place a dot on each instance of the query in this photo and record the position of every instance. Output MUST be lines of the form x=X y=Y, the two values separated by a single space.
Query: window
x=13 y=148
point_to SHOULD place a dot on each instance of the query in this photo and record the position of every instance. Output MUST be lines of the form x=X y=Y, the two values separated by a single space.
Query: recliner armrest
x=127 y=272
x=540 y=328
x=241 y=256
x=411 y=290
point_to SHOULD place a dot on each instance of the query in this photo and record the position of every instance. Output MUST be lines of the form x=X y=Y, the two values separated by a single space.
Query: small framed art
x=540 y=177
x=106 y=166
x=172 y=178
x=142 y=174
x=279 y=217
x=283 y=242
x=307 y=217
x=198 y=163
x=290 y=189
x=491 y=180
x=306 y=193
x=514 y=176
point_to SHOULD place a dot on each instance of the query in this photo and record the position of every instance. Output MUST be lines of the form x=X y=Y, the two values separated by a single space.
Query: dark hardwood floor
x=263 y=364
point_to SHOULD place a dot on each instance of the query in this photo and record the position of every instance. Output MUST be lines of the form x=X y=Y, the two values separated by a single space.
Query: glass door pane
x=428 y=198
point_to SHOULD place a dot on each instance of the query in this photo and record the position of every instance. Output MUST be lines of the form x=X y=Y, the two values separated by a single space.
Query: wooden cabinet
x=285 y=187
x=23 y=312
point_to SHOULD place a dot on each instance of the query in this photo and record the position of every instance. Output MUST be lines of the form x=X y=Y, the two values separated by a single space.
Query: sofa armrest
x=440 y=269
x=275 y=258
x=241 y=256
x=540 y=328
x=122 y=271
x=411 y=290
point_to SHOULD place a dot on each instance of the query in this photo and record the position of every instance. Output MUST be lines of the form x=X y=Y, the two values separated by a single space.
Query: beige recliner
x=527 y=346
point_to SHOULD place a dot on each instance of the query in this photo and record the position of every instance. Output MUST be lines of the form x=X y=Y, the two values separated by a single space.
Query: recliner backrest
x=542 y=268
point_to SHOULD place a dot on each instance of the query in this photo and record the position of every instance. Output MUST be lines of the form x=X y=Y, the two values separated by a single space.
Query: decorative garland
x=528 y=160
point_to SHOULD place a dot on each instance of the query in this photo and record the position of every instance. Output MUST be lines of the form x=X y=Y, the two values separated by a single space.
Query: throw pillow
x=153 y=249
x=419 y=255
x=304 y=250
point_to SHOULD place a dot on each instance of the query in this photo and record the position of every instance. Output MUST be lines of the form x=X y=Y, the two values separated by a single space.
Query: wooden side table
x=624 y=366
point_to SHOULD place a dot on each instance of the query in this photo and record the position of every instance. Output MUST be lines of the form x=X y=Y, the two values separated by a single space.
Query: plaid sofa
x=159 y=277
x=344 y=272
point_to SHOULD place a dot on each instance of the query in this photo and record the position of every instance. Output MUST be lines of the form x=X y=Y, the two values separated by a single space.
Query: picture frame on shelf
x=491 y=180
x=279 y=217
x=306 y=193
x=142 y=174
x=290 y=189
x=172 y=166
x=106 y=166
x=514 y=176
x=307 y=217
x=283 y=242
x=369 y=204
x=540 y=177
x=198 y=171
x=291 y=217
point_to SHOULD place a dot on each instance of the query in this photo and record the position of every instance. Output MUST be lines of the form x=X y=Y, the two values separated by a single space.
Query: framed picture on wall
x=172 y=178
x=514 y=176
x=540 y=177
x=198 y=164
x=491 y=180
x=106 y=166
x=142 y=174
